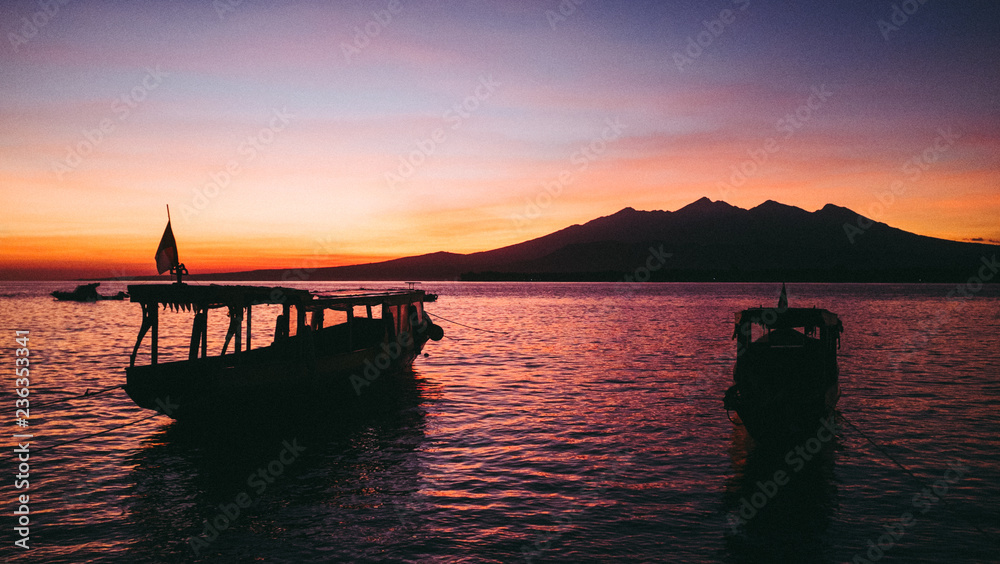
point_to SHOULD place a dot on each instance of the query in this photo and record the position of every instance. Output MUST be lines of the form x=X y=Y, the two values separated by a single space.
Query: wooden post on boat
x=238 y=328
x=195 y=337
x=285 y=320
x=204 y=333
x=154 y=314
x=178 y=271
x=300 y=319
x=248 y=327
x=350 y=327
x=147 y=324
x=317 y=319
x=199 y=335
x=281 y=327
x=235 y=328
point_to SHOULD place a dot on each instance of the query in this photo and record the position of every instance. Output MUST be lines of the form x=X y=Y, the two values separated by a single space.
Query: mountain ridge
x=706 y=239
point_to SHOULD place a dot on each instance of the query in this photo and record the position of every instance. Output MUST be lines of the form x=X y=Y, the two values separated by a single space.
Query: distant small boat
x=86 y=293
x=787 y=378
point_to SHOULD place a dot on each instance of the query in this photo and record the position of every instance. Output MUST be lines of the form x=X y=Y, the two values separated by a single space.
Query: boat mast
x=178 y=268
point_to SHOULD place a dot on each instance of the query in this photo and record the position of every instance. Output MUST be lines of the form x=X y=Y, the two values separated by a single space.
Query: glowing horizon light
x=276 y=131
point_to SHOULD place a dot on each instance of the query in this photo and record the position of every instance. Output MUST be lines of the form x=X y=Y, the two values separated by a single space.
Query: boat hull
x=268 y=382
x=783 y=420
x=71 y=297
x=86 y=293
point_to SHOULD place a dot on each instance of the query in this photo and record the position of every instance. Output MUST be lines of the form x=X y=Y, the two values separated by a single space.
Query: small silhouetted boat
x=786 y=375
x=86 y=293
x=317 y=366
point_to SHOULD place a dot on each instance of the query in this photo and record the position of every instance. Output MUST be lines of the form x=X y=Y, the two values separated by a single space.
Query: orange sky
x=280 y=137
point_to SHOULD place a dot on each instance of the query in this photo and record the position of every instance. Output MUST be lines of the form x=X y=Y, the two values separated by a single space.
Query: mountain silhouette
x=705 y=240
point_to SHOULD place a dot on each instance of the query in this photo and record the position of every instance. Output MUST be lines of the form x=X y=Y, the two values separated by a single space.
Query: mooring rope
x=922 y=483
x=140 y=420
x=877 y=446
x=85 y=394
x=464 y=325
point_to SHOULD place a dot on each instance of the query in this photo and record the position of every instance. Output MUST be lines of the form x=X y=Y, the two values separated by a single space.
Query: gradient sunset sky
x=289 y=134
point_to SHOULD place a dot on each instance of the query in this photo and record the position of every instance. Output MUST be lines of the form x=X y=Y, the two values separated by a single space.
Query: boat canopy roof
x=347 y=299
x=187 y=296
x=776 y=318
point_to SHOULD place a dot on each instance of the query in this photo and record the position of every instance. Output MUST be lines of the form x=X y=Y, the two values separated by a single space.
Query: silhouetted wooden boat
x=316 y=366
x=329 y=364
x=786 y=374
x=86 y=293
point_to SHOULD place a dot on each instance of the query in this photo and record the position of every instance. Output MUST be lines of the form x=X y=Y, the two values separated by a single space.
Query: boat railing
x=239 y=300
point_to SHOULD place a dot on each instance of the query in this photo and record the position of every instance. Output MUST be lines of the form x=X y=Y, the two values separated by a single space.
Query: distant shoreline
x=895 y=276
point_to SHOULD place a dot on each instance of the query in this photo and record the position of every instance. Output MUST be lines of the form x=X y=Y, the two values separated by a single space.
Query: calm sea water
x=588 y=428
